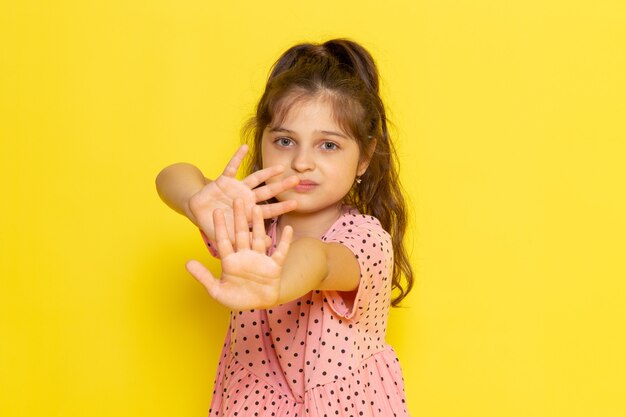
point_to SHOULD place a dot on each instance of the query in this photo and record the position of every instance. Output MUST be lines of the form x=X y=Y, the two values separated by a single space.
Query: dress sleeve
x=209 y=244
x=371 y=246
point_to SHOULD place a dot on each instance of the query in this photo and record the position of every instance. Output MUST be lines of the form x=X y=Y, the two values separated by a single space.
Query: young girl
x=309 y=289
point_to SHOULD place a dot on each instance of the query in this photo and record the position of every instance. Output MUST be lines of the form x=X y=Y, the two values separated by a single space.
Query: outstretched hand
x=221 y=193
x=250 y=278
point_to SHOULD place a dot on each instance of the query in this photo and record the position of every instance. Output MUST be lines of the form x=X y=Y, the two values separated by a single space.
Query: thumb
x=203 y=275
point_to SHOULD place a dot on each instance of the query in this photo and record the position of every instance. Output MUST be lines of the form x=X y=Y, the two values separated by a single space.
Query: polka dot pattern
x=323 y=354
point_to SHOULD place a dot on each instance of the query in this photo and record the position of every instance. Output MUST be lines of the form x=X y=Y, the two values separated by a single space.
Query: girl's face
x=310 y=144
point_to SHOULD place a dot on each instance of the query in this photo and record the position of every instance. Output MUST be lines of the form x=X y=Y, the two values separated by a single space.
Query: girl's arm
x=185 y=189
x=177 y=183
x=252 y=279
x=312 y=264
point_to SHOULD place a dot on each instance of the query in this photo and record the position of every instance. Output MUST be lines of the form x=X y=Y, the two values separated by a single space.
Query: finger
x=276 y=209
x=233 y=165
x=283 y=246
x=242 y=231
x=204 y=276
x=262 y=175
x=222 y=241
x=258 y=230
x=271 y=190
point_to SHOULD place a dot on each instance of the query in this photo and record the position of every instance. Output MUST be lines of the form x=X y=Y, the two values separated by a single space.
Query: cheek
x=270 y=156
x=268 y=159
x=265 y=155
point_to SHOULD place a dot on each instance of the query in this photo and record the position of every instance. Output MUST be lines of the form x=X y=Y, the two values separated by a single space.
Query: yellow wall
x=510 y=119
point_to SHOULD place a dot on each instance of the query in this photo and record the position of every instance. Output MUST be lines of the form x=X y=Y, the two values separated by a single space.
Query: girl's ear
x=365 y=161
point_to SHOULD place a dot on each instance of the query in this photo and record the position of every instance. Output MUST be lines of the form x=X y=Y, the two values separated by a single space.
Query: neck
x=310 y=225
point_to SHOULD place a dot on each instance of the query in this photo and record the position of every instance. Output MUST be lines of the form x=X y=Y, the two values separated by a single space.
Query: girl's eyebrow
x=325 y=132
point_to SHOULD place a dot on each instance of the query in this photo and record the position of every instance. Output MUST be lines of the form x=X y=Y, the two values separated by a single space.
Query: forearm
x=177 y=183
x=312 y=264
x=304 y=269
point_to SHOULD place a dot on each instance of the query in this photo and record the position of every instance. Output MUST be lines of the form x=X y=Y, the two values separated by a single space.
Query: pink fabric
x=323 y=354
x=210 y=245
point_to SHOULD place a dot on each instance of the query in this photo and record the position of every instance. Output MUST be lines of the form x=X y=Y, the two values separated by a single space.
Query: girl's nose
x=303 y=161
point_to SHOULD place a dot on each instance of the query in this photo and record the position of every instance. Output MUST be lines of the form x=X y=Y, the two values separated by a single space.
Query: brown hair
x=344 y=72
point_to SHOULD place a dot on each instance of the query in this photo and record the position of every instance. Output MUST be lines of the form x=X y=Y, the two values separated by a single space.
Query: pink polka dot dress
x=323 y=354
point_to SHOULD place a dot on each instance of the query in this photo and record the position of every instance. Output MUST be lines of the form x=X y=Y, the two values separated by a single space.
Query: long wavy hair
x=344 y=72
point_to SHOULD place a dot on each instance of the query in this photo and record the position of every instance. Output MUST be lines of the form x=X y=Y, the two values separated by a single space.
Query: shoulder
x=372 y=249
x=352 y=223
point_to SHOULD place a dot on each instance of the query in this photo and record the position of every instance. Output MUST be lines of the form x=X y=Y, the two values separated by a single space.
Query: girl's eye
x=283 y=141
x=329 y=146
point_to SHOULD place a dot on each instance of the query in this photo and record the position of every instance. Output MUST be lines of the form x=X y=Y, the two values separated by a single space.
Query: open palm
x=221 y=193
x=250 y=278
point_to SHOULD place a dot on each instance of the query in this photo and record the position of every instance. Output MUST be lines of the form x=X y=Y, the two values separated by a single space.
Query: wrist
x=187 y=211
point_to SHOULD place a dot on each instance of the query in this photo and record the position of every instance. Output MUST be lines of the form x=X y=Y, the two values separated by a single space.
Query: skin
x=187 y=191
x=310 y=164
x=312 y=146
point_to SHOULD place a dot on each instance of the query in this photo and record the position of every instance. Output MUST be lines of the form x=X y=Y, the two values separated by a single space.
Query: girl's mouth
x=305 y=185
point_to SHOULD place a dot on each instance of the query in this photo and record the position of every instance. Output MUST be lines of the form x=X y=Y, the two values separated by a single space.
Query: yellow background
x=511 y=128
